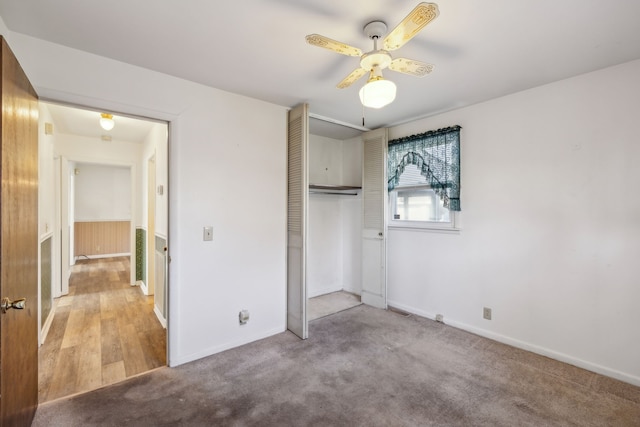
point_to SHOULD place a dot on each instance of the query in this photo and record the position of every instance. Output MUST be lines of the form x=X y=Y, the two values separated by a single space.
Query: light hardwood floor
x=104 y=331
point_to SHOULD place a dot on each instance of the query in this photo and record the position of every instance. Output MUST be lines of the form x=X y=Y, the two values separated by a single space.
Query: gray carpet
x=361 y=367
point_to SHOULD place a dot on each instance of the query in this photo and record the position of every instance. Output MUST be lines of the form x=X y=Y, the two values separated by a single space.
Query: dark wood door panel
x=18 y=243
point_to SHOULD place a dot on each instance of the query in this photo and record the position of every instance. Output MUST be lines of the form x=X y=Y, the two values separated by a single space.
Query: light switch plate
x=207 y=234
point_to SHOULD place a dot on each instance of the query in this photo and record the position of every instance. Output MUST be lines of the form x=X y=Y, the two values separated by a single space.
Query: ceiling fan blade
x=411 y=67
x=327 y=43
x=352 y=78
x=415 y=21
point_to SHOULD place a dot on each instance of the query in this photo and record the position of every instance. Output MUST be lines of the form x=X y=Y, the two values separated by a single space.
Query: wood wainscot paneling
x=98 y=238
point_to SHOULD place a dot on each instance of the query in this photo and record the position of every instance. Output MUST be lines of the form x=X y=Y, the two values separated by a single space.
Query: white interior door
x=297 y=202
x=374 y=219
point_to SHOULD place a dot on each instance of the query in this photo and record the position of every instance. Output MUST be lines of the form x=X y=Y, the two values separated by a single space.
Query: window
x=418 y=204
x=414 y=204
x=424 y=179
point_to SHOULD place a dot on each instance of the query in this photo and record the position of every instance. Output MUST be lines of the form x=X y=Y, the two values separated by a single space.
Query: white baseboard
x=373 y=299
x=160 y=317
x=584 y=364
x=213 y=350
x=352 y=290
x=143 y=287
x=323 y=291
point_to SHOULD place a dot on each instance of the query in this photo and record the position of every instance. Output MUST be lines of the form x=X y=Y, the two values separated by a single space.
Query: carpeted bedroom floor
x=360 y=367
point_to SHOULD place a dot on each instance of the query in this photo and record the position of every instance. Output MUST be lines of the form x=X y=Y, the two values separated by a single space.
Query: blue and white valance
x=437 y=156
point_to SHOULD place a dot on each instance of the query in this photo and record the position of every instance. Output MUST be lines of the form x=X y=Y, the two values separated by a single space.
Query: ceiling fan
x=378 y=92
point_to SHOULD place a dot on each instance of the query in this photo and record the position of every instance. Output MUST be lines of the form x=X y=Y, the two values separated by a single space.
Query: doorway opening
x=104 y=206
x=334 y=218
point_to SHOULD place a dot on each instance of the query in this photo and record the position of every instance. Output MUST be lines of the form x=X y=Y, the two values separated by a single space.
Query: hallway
x=103 y=332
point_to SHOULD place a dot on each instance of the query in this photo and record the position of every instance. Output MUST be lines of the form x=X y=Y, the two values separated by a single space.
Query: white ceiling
x=481 y=50
x=78 y=121
x=81 y=122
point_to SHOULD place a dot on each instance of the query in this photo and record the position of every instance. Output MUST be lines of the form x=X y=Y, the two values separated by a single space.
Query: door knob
x=17 y=304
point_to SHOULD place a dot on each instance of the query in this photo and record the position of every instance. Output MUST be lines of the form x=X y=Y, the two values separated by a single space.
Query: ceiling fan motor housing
x=377 y=58
x=375 y=29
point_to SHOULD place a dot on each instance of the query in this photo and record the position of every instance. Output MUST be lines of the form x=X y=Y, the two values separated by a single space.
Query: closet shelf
x=346 y=190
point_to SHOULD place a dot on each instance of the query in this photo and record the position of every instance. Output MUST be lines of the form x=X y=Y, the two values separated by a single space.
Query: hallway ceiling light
x=106 y=121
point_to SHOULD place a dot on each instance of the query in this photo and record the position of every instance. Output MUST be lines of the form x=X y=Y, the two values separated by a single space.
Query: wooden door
x=18 y=244
x=297 y=201
x=374 y=219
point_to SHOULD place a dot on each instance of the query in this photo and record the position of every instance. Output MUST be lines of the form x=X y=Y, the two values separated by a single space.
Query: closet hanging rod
x=328 y=193
x=347 y=190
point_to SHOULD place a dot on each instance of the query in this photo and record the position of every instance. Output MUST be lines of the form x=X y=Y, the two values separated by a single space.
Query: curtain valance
x=437 y=156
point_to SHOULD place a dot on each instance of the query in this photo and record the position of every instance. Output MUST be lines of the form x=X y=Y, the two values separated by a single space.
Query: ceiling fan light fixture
x=106 y=121
x=378 y=92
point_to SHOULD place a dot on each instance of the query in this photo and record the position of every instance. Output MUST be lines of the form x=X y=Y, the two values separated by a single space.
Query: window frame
x=453 y=225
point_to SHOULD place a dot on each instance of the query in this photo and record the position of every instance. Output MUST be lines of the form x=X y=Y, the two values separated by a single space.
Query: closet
x=336 y=217
x=334 y=230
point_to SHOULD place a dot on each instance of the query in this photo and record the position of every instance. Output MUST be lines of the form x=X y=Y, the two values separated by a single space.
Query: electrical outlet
x=243 y=317
x=439 y=318
x=486 y=313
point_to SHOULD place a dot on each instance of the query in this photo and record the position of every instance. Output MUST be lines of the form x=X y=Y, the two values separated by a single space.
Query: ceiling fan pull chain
x=363 y=115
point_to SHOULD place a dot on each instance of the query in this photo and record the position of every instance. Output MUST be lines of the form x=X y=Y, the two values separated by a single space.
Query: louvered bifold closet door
x=374 y=220
x=297 y=201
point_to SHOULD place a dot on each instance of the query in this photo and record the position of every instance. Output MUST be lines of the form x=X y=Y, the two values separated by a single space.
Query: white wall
x=102 y=193
x=325 y=160
x=324 y=245
x=352 y=162
x=551 y=224
x=94 y=150
x=223 y=173
x=46 y=174
x=155 y=143
x=88 y=154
